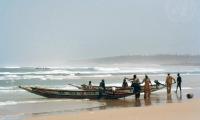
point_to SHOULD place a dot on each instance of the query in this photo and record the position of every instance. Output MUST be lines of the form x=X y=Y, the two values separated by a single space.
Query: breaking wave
x=18 y=73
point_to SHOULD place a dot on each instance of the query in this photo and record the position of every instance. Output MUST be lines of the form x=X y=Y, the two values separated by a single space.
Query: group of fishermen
x=136 y=85
x=147 y=84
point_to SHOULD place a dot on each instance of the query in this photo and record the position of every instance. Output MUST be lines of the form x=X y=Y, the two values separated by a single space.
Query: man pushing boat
x=135 y=85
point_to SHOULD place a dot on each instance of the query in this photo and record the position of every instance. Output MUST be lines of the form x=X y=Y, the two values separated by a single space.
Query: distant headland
x=190 y=60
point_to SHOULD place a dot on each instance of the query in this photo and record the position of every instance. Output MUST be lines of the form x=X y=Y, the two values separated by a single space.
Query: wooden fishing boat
x=75 y=94
x=84 y=93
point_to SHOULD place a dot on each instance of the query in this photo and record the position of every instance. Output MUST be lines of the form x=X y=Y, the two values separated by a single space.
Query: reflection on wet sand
x=169 y=98
x=137 y=103
x=179 y=96
x=147 y=101
x=157 y=98
x=120 y=103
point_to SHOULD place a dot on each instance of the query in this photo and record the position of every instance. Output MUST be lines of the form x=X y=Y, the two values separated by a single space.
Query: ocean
x=17 y=104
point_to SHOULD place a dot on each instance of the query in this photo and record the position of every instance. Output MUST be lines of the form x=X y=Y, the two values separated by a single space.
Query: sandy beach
x=188 y=110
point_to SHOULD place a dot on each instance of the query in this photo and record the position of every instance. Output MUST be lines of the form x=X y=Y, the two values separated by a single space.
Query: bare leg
x=145 y=95
x=170 y=89
x=149 y=93
x=176 y=88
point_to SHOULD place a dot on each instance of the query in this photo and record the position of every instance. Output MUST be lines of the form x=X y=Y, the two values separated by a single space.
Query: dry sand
x=189 y=110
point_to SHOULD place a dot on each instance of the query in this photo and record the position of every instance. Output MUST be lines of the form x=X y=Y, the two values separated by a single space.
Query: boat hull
x=85 y=93
x=75 y=94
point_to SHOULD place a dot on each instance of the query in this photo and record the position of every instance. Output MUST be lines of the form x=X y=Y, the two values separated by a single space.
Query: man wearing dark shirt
x=102 y=84
x=179 y=81
x=124 y=84
x=102 y=88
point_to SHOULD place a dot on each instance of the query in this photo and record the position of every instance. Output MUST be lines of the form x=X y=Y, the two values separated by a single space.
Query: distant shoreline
x=121 y=61
x=164 y=60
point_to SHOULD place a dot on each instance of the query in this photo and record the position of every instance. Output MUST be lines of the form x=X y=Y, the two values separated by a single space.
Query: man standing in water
x=136 y=86
x=179 y=80
x=102 y=88
x=102 y=85
x=147 y=87
x=169 y=83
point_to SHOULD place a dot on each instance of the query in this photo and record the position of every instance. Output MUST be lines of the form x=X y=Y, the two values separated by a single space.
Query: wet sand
x=188 y=110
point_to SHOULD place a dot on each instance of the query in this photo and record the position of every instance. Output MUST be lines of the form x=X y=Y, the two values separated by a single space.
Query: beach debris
x=189 y=95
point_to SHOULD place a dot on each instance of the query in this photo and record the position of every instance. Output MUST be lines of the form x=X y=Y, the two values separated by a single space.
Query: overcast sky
x=54 y=31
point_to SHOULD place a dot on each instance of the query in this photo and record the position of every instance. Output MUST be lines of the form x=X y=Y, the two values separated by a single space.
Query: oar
x=79 y=87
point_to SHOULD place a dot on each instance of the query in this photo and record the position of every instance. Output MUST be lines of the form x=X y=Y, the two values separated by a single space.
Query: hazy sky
x=54 y=31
